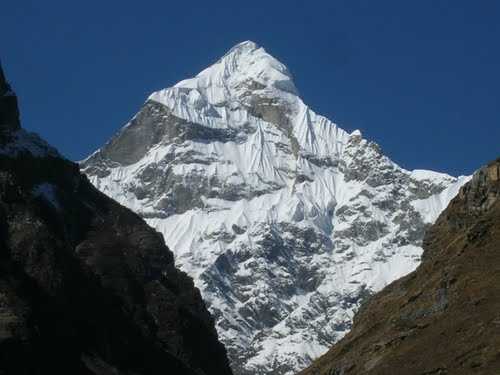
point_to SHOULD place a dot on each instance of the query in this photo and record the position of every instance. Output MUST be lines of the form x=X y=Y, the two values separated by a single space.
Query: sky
x=420 y=78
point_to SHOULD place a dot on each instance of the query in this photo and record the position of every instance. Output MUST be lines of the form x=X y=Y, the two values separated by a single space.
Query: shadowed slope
x=86 y=287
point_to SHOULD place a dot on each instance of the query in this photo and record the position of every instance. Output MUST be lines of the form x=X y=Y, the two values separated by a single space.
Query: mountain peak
x=286 y=221
x=244 y=69
x=243 y=47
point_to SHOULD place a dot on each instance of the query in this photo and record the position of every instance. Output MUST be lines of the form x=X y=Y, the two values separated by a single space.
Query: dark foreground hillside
x=86 y=287
x=444 y=318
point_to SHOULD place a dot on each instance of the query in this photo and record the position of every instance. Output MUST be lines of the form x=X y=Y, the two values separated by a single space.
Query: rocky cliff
x=444 y=318
x=86 y=286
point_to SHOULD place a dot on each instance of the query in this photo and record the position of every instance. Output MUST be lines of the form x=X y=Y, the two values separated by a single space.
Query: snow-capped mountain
x=285 y=221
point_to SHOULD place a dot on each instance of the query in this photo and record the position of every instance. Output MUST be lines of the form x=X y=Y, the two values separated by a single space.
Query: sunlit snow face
x=259 y=68
x=245 y=69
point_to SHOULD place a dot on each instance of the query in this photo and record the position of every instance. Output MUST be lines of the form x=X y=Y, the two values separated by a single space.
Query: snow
x=305 y=250
x=422 y=174
x=356 y=133
x=431 y=207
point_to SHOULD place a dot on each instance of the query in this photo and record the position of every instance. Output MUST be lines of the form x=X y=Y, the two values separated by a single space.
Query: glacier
x=285 y=221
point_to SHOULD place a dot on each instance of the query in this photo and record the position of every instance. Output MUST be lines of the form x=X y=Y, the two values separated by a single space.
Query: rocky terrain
x=86 y=286
x=444 y=318
x=285 y=221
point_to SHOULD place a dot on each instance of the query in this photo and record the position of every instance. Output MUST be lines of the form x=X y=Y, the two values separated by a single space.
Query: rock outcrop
x=86 y=286
x=444 y=318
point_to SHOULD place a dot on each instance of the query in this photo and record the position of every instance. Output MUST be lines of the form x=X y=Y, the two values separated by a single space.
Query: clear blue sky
x=421 y=78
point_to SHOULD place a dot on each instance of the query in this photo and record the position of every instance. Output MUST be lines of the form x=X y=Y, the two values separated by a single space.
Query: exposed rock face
x=284 y=220
x=86 y=286
x=444 y=318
